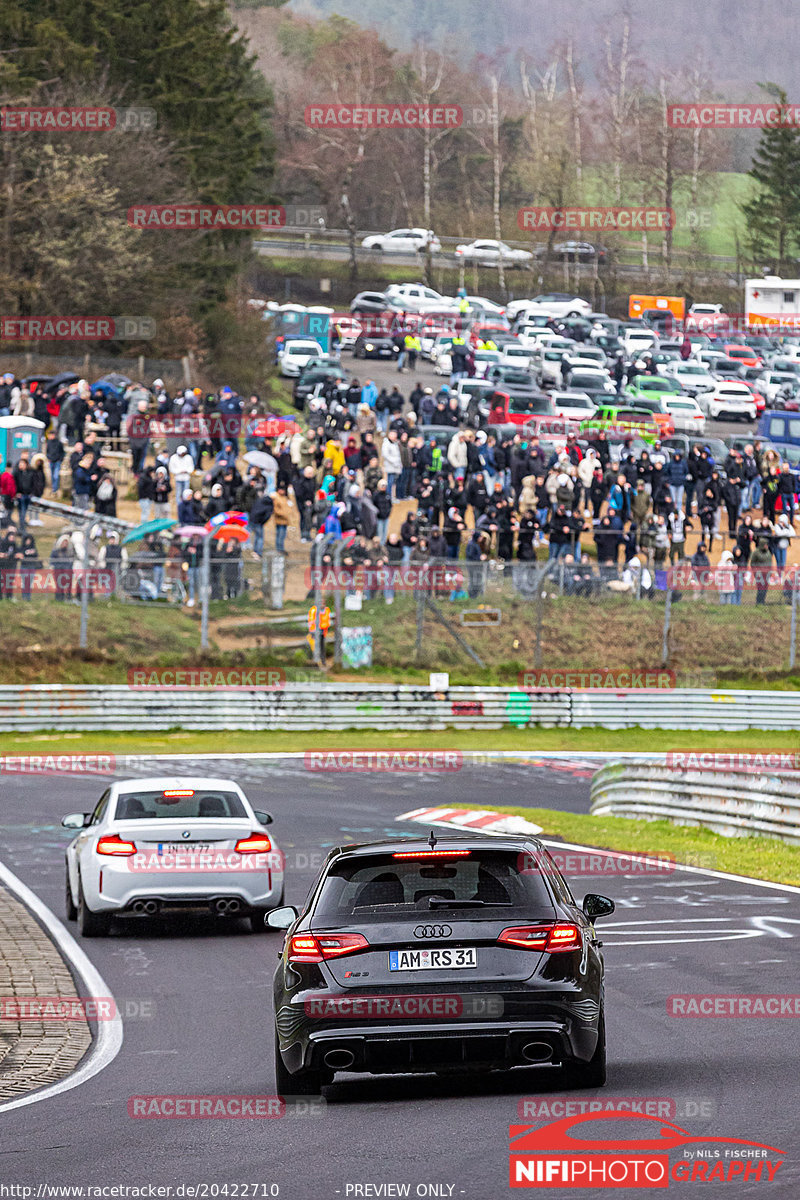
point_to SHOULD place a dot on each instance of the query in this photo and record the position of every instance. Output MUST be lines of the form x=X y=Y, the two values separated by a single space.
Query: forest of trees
x=229 y=89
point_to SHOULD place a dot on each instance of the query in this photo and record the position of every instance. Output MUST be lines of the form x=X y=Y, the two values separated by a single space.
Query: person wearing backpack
x=105 y=496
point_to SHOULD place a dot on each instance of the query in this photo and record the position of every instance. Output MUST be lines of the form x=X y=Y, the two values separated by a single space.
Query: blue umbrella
x=141 y=531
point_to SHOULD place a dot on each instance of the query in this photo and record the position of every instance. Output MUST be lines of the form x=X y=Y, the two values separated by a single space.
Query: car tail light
x=431 y=853
x=114 y=845
x=552 y=939
x=315 y=947
x=180 y=792
x=254 y=843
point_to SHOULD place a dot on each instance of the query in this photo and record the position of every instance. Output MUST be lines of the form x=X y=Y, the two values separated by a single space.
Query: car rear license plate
x=435 y=958
x=183 y=847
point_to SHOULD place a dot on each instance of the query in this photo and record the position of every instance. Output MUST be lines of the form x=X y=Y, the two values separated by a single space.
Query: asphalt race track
x=209 y=987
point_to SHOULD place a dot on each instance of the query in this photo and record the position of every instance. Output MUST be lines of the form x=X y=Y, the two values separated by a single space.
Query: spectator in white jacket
x=181 y=465
x=457 y=454
x=391 y=460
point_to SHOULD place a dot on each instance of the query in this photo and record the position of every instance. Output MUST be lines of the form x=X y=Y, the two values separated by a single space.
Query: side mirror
x=76 y=820
x=282 y=918
x=595 y=906
x=264 y=817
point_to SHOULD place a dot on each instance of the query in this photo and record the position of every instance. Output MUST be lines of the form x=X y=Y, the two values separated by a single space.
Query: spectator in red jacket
x=8 y=490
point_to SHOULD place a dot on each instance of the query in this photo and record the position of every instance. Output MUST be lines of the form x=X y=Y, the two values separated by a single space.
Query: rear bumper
x=119 y=890
x=389 y=1049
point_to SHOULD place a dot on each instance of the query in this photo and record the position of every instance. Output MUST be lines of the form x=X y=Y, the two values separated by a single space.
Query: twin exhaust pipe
x=151 y=907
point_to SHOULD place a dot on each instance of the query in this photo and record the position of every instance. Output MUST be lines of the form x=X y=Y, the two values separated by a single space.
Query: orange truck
x=642 y=306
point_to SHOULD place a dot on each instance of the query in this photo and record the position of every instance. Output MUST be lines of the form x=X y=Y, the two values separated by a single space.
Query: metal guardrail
x=735 y=803
x=316 y=706
x=79 y=516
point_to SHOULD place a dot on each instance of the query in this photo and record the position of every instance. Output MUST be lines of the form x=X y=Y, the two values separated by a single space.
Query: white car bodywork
x=488 y=250
x=415 y=297
x=168 y=843
x=573 y=406
x=687 y=415
x=402 y=241
x=295 y=354
x=734 y=399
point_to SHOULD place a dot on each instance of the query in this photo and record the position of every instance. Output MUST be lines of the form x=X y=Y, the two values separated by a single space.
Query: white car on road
x=691 y=375
x=573 y=406
x=403 y=241
x=554 y=304
x=729 y=399
x=163 y=846
x=415 y=297
x=295 y=354
x=687 y=415
x=487 y=250
x=515 y=355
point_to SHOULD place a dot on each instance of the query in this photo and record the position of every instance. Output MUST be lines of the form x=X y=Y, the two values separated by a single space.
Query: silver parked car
x=167 y=845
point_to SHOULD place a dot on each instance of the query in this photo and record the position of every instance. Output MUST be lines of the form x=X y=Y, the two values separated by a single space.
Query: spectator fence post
x=667 y=619
x=84 y=638
x=793 y=627
x=337 y=600
x=205 y=589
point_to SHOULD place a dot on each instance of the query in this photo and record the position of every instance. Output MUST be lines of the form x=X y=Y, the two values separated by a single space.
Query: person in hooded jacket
x=453 y=528
x=437 y=546
x=528 y=528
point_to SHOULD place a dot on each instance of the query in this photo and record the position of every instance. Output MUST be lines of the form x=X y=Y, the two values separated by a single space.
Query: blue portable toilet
x=18 y=436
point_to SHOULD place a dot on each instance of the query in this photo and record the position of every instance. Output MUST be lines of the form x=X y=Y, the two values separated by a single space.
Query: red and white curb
x=470 y=818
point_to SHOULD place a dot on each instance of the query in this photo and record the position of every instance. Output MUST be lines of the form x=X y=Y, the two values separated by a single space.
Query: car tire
x=91 y=924
x=69 y=904
x=577 y=1074
x=304 y=1083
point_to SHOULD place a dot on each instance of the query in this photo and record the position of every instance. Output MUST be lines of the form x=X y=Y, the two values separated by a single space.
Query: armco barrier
x=736 y=803
x=316 y=706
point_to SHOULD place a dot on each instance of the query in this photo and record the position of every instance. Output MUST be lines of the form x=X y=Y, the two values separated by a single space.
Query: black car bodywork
x=378 y=345
x=352 y=987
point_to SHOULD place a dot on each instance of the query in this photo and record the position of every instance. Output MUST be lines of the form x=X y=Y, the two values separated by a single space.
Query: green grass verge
x=233 y=741
x=755 y=857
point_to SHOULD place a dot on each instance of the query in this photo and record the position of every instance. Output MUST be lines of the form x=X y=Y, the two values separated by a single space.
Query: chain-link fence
x=501 y=618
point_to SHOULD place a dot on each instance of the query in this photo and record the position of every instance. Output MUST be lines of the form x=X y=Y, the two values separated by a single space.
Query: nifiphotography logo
x=556 y=1157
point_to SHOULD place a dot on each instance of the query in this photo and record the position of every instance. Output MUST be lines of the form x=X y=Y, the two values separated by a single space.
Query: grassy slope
x=758 y=858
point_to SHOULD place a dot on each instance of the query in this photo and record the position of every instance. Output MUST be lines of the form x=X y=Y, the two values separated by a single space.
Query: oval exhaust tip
x=537 y=1052
x=339 y=1060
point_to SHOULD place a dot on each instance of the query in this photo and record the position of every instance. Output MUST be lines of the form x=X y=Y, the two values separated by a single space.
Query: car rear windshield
x=184 y=803
x=381 y=885
x=532 y=404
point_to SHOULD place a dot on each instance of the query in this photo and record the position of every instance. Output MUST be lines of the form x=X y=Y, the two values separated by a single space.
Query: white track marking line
x=108 y=1042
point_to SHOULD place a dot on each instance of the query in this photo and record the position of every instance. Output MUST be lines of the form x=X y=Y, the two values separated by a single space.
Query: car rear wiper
x=438 y=902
